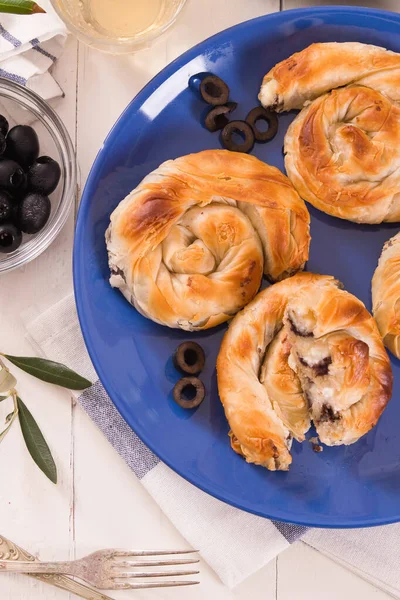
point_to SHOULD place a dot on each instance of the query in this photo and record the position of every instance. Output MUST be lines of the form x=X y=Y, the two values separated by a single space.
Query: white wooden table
x=98 y=502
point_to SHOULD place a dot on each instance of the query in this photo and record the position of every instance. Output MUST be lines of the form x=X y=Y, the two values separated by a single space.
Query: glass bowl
x=23 y=107
x=72 y=12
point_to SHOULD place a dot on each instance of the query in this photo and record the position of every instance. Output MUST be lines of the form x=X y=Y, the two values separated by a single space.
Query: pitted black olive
x=22 y=145
x=217 y=117
x=189 y=358
x=44 y=175
x=12 y=176
x=3 y=125
x=6 y=207
x=261 y=114
x=214 y=90
x=3 y=143
x=189 y=392
x=10 y=238
x=33 y=212
x=237 y=136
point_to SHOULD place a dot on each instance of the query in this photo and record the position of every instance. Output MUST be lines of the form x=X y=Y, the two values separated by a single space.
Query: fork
x=104 y=569
x=10 y=551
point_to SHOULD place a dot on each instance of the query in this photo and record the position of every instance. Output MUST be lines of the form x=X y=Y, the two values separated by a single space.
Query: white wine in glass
x=118 y=26
x=122 y=18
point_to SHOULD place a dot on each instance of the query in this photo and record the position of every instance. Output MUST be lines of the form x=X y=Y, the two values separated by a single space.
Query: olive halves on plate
x=214 y=90
x=260 y=115
x=189 y=392
x=237 y=136
x=189 y=358
x=217 y=117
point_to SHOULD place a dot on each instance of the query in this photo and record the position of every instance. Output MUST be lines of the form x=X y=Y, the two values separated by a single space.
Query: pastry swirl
x=322 y=67
x=342 y=152
x=189 y=245
x=386 y=294
x=302 y=350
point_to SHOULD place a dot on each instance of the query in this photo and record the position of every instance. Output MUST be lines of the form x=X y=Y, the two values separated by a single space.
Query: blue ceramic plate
x=353 y=486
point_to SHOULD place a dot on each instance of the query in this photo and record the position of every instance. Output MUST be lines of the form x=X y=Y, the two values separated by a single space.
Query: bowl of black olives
x=38 y=175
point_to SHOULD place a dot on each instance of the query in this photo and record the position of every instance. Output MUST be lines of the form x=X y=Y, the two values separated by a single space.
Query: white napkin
x=29 y=47
x=233 y=542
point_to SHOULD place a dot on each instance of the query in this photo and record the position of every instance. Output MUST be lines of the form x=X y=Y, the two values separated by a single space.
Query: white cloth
x=29 y=47
x=233 y=542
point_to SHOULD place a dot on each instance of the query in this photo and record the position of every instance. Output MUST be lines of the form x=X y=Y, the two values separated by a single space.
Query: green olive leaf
x=5 y=431
x=35 y=442
x=3 y=398
x=20 y=7
x=7 y=380
x=49 y=371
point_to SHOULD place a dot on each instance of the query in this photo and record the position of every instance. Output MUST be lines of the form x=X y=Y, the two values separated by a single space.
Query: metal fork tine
x=159 y=584
x=155 y=563
x=133 y=574
x=152 y=552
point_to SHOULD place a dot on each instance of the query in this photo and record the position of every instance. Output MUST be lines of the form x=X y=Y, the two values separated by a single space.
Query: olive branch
x=50 y=372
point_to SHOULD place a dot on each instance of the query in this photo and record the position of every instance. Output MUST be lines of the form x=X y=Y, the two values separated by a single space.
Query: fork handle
x=58 y=568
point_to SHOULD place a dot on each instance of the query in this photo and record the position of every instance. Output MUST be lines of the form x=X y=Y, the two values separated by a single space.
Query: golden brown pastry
x=322 y=67
x=386 y=294
x=189 y=245
x=342 y=152
x=302 y=349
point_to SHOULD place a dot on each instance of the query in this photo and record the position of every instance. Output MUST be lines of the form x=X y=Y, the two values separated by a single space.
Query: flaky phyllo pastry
x=303 y=350
x=386 y=294
x=342 y=152
x=189 y=245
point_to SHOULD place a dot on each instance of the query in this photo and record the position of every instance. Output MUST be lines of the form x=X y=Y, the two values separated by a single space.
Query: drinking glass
x=118 y=26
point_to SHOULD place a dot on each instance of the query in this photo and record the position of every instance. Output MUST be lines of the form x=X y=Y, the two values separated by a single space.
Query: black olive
x=260 y=114
x=23 y=145
x=214 y=91
x=44 y=175
x=3 y=125
x=242 y=131
x=14 y=216
x=189 y=392
x=21 y=191
x=10 y=238
x=217 y=117
x=33 y=212
x=189 y=358
x=6 y=207
x=12 y=176
x=3 y=143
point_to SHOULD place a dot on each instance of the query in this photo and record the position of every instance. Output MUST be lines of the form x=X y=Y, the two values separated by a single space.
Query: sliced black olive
x=214 y=91
x=189 y=358
x=260 y=114
x=217 y=117
x=237 y=136
x=189 y=392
